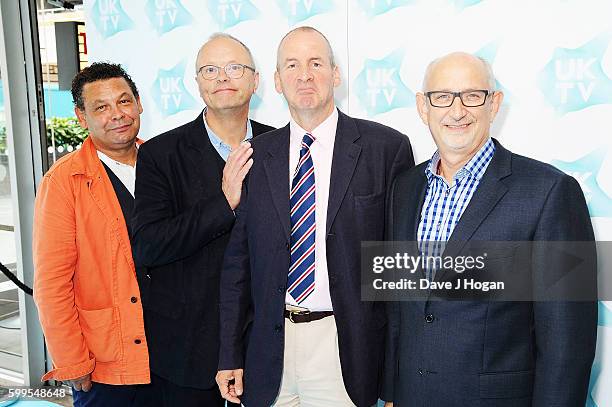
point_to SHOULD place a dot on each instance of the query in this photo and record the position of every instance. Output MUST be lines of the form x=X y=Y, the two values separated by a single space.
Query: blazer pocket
x=506 y=385
x=362 y=201
x=101 y=332
x=369 y=216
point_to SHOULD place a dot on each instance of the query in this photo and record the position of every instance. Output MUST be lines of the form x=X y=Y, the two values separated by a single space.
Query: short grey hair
x=492 y=82
x=307 y=28
x=216 y=35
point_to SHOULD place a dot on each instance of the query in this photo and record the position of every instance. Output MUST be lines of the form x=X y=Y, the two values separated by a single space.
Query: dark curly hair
x=96 y=72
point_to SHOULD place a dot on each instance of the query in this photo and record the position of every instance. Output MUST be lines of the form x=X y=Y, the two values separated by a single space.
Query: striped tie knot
x=307 y=140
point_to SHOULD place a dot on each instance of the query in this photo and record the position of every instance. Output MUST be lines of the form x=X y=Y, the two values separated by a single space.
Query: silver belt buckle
x=292 y=313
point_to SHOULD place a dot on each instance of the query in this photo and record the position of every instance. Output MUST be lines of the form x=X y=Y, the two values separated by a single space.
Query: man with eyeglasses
x=470 y=351
x=189 y=181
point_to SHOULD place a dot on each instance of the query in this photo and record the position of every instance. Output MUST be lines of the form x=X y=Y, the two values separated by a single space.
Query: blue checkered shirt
x=444 y=204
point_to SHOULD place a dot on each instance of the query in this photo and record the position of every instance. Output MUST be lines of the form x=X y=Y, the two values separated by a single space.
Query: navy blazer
x=366 y=157
x=181 y=227
x=487 y=353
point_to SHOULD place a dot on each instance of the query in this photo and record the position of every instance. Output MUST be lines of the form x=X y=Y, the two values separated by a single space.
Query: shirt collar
x=475 y=167
x=110 y=161
x=323 y=134
x=216 y=140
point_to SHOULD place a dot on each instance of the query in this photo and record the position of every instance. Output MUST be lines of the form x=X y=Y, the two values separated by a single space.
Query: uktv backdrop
x=552 y=59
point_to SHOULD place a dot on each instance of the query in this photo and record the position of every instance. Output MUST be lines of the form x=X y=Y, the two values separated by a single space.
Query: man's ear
x=337 y=77
x=496 y=101
x=277 y=82
x=256 y=79
x=81 y=117
x=422 y=107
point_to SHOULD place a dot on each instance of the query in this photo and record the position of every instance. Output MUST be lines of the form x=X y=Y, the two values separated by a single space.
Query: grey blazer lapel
x=413 y=219
x=276 y=166
x=200 y=152
x=344 y=161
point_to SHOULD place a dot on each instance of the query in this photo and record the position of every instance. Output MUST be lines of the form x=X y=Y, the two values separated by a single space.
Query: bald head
x=458 y=60
x=217 y=40
x=304 y=29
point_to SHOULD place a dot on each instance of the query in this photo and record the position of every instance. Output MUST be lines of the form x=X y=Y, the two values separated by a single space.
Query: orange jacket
x=85 y=284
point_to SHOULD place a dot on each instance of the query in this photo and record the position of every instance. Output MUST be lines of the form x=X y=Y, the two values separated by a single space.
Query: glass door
x=10 y=325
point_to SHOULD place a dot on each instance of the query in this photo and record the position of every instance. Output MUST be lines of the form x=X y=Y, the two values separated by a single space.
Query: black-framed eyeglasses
x=469 y=98
x=233 y=71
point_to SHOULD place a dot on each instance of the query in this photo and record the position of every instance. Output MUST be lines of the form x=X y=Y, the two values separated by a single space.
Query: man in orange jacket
x=85 y=281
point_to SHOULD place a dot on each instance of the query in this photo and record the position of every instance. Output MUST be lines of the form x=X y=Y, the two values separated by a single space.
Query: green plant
x=67 y=131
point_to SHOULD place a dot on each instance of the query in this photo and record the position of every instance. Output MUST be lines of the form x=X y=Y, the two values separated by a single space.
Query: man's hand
x=236 y=168
x=230 y=384
x=81 y=383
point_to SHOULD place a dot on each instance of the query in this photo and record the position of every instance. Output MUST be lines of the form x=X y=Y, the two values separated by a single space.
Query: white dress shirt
x=322 y=152
x=125 y=173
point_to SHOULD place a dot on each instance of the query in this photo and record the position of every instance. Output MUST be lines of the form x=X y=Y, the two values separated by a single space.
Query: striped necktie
x=301 y=279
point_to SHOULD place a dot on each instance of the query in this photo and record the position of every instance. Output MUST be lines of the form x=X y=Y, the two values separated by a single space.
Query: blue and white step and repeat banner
x=552 y=58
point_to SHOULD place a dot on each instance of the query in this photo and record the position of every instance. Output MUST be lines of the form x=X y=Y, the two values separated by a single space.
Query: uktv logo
x=374 y=8
x=109 y=17
x=586 y=170
x=379 y=86
x=166 y=15
x=300 y=10
x=170 y=93
x=574 y=79
x=228 y=13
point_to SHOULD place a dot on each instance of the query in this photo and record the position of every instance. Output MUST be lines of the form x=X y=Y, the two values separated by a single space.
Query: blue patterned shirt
x=444 y=204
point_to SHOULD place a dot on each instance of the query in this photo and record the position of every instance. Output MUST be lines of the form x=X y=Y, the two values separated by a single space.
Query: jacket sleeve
x=55 y=255
x=565 y=331
x=235 y=294
x=393 y=319
x=161 y=236
x=403 y=161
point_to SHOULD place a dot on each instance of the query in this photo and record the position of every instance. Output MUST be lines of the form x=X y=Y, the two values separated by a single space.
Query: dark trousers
x=174 y=395
x=104 y=395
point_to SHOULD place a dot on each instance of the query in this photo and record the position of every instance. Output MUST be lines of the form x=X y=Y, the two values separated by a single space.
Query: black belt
x=297 y=317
